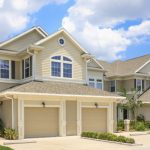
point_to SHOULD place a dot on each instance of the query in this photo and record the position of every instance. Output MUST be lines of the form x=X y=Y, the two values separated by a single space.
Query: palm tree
x=132 y=104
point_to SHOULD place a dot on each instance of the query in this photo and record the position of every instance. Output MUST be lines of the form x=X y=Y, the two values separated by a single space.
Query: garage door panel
x=41 y=122
x=94 y=119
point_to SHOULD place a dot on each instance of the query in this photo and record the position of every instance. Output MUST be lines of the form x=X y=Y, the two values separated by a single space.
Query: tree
x=131 y=103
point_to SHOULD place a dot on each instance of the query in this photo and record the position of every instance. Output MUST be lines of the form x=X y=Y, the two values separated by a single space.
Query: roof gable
x=32 y=35
x=65 y=33
x=24 y=40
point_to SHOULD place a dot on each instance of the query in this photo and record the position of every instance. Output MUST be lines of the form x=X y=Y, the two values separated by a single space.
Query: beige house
x=145 y=109
x=132 y=74
x=44 y=87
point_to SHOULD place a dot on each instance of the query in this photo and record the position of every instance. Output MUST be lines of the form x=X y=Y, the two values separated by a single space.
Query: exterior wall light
x=43 y=103
x=96 y=105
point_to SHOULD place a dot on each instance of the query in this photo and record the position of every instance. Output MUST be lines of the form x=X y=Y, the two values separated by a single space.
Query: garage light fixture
x=43 y=103
x=96 y=105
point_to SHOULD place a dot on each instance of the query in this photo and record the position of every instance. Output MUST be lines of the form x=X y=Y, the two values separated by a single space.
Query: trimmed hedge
x=5 y=148
x=108 y=136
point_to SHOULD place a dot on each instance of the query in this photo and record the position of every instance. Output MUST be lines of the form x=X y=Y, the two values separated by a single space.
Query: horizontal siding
x=23 y=42
x=52 y=48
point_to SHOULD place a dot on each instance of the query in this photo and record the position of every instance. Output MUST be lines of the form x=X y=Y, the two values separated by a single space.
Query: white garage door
x=94 y=119
x=41 y=122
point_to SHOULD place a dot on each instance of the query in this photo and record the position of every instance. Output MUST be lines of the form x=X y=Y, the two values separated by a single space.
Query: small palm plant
x=132 y=103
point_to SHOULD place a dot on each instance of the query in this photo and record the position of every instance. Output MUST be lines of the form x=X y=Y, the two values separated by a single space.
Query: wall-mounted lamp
x=43 y=103
x=1 y=103
x=96 y=105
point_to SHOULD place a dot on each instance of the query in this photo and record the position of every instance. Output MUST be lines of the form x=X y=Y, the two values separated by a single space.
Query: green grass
x=5 y=148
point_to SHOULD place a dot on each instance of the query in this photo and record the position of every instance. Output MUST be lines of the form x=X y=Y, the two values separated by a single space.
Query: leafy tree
x=131 y=103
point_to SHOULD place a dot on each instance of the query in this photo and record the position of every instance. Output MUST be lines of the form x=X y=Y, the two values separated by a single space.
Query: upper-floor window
x=112 y=86
x=27 y=67
x=61 y=66
x=139 y=84
x=97 y=83
x=4 y=69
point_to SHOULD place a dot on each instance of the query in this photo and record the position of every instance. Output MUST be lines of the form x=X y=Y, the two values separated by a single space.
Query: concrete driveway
x=76 y=143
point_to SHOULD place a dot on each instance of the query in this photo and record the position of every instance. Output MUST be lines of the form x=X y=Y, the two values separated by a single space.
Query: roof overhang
x=116 y=99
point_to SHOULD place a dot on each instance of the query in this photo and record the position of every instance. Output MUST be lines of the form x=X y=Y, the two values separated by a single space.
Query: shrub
x=140 y=117
x=1 y=127
x=132 y=125
x=10 y=134
x=107 y=136
x=120 y=125
x=147 y=124
x=139 y=126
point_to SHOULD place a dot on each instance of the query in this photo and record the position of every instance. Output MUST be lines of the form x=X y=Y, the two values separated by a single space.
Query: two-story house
x=132 y=74
x=44 y=87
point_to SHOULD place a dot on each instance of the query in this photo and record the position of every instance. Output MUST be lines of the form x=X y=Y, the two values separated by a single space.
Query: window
x=27 y=67
x=56 y=69
x=4 y=69
x=67 y=72
x=112 y=86
x=97 y=83
x=140 y=85
x=91 y=82
x=61 y=41
x=61 y=66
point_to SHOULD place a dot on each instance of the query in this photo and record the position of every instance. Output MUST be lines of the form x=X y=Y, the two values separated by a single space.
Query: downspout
x=33 y=63
x=12 y=109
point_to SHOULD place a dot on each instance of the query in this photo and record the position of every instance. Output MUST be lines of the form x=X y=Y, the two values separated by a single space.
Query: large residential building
x=131 y=75
x=51 y=86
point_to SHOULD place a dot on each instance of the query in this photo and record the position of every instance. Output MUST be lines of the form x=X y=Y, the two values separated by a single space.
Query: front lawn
x=5 y=148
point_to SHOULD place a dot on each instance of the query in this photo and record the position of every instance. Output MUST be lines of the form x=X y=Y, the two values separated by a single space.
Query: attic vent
x=61 y=41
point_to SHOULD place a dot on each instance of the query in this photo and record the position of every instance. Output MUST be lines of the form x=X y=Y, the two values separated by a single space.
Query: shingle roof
x=122 y=68
x=145 y=97
x=52 y=87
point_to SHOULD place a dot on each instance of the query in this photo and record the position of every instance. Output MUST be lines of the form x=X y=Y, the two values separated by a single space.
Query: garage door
x=41 y=122
x=94 y=119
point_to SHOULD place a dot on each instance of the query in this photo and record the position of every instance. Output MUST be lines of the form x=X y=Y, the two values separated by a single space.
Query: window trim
x=61 y=64
x=114 y=86
x=30 y=75
x=9 y=78
x=95 y=82
x=141 y=80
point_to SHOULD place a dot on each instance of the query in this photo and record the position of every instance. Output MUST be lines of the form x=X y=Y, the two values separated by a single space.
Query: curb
x=128 y=144
x=19 y=142
x=138 y=134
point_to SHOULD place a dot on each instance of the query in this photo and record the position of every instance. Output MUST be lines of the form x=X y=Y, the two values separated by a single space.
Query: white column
x=79 y=118
x=21 y=119
x=110 y=118
x=62 y=119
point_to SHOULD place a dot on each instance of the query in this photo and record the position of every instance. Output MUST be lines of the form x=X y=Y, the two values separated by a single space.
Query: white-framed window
x=112 y=86
x=140 y=85
x=61 y=66
x=96 y=83
x=91 y=82
x=4 y=69
x=27 y=67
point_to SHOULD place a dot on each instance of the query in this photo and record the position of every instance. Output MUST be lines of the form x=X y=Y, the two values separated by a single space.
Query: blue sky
x=109 y=30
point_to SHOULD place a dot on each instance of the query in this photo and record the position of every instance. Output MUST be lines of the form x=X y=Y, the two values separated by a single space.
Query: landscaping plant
x=120 y=125
x=108 y=136
x=10 y=134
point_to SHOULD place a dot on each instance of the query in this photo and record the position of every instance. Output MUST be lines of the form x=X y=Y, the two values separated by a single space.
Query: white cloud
x=93 y=23
x=15 y=14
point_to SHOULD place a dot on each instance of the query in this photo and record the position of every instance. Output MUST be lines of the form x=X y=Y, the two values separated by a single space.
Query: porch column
x=110 y=118
x=62 y=119
x=79 y=118
x=21 y=119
